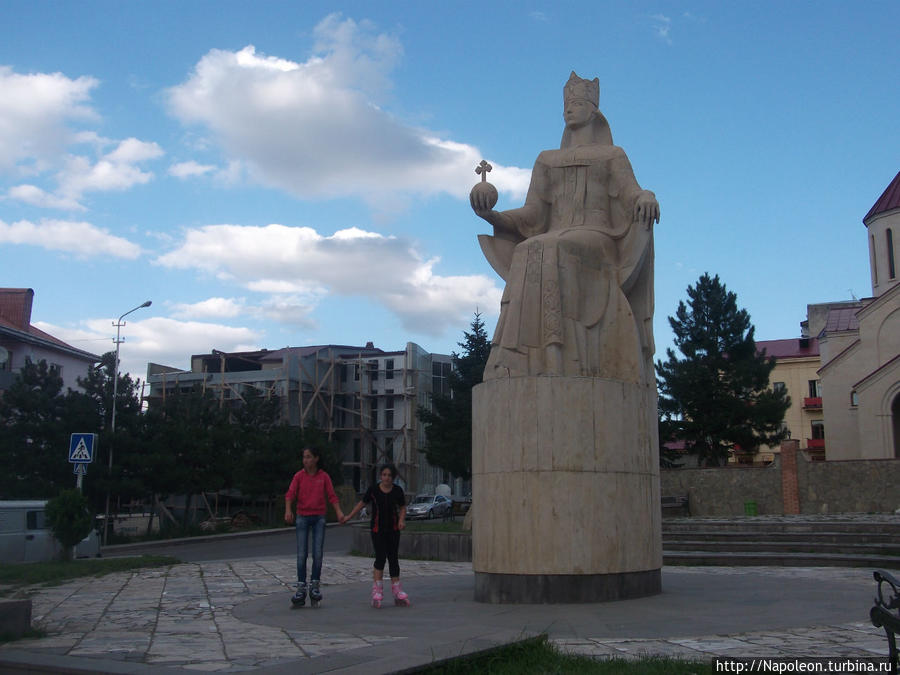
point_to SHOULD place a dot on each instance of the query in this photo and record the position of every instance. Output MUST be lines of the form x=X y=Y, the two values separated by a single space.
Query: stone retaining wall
x=848 y=486
x=446 y=546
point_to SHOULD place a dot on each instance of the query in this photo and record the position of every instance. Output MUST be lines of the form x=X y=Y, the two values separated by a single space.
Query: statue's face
x=577 y=112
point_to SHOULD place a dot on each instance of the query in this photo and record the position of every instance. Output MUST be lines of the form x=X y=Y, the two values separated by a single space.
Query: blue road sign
x=81 y=448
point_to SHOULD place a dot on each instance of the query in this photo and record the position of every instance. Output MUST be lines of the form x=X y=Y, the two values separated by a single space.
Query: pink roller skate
x=401 y=599
x=377 y=594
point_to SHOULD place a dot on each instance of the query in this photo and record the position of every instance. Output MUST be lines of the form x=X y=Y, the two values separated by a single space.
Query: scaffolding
x=364 y=399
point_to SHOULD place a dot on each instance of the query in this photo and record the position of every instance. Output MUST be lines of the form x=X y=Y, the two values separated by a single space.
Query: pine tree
x=448 y=435
x=717 y=396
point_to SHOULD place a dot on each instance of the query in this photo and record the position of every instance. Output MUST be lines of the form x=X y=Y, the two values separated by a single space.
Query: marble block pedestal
x=565 y=474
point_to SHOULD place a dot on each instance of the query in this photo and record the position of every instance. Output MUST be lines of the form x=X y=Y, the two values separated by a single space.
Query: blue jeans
x=310 y=526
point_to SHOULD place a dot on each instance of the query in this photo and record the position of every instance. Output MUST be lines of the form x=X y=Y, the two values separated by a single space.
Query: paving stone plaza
x=236 y=616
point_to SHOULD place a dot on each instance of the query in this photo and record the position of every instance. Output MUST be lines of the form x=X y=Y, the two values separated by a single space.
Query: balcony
x=812 y=403
x=815 y=443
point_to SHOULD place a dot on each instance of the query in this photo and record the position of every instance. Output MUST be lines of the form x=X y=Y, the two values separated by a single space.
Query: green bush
x=69 y=519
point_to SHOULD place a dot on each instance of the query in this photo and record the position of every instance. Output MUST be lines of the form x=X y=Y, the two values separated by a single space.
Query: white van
x=25 y=537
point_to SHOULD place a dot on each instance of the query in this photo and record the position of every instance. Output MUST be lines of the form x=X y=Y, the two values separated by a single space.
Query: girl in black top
x=388 y=507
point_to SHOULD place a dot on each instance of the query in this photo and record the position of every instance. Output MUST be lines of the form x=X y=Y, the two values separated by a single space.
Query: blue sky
x=283 y=174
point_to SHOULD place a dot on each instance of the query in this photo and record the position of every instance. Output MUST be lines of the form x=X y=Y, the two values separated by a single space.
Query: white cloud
x=316 y=128
x=116 y=170
x=31 y=194
x=300 y=263
x=219 y=308
x=38 y=140
x=662 y=26
x=80 y=238
x=190 y=169
x=35 y=110
x=155 y=339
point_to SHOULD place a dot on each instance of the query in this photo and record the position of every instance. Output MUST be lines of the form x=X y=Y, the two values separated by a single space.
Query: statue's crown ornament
x=576 y=87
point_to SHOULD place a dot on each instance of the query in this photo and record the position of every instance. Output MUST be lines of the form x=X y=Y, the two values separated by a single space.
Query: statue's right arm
x=525 y=221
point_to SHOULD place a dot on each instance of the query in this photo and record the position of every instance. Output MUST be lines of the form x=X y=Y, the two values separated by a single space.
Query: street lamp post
x=112 y=424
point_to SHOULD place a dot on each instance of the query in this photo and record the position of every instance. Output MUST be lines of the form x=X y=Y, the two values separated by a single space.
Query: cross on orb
x=483 y=169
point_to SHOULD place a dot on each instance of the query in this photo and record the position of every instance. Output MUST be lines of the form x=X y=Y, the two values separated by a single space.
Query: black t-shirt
x=385 y=507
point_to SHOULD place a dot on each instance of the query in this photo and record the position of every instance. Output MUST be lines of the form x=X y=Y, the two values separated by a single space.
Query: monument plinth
x=565 y=453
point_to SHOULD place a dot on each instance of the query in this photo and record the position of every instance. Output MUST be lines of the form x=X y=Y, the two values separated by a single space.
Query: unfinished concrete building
x=363 y=398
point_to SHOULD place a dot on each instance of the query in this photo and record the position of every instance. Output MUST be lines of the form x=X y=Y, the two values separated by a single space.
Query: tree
x=34 y=434
x=448 y=436
x=69 y=520
x=717 y=396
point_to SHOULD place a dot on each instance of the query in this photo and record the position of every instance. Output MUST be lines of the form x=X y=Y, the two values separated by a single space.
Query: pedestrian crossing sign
x=81 y=448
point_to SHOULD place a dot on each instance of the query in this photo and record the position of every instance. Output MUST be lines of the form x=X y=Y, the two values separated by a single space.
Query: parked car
x=25 y=537
x=429 y=506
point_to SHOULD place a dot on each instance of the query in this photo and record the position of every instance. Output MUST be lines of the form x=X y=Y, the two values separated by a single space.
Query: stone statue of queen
x=577 y=258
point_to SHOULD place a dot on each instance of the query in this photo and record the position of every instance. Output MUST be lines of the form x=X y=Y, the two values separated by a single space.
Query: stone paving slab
x=236 y=617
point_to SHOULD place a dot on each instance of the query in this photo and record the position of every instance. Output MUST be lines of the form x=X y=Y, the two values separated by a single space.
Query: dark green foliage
x=34 y=435
x=717 y=395
x=449 y=431
x=69 y=519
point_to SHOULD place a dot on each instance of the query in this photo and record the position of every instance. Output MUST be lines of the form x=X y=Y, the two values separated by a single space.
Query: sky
x=283 y=174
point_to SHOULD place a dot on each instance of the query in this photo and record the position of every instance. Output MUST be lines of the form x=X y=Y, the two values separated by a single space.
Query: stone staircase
x=798 y=541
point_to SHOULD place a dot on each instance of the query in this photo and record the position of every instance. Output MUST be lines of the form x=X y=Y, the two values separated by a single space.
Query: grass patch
x=434 y=525
x=540 y=657
x=14 y=577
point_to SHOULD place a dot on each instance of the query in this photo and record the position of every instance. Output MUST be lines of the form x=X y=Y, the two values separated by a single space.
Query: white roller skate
x=299 y=598
x=401 y=599
x=315 y=595
x=377 y=594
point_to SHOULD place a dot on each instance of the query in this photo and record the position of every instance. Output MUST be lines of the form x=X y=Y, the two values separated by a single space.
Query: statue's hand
x=482 y=203
x=646 y=209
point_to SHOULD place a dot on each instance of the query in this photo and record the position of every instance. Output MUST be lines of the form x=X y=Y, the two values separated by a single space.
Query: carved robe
x=578 y=272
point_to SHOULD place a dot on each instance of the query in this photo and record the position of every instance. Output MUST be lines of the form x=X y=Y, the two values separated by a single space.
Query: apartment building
x=363 y=398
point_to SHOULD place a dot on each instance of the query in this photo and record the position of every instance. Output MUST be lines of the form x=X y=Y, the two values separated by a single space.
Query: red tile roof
x=889 y=200
x=792 y=348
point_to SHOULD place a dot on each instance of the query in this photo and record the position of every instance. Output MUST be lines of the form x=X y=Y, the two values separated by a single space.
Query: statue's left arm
x=640 y=206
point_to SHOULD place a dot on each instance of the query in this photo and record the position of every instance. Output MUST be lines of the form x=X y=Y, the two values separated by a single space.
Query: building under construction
x=363 y=398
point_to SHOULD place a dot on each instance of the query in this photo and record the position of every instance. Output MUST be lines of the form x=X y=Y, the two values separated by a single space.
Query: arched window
x=890 y=253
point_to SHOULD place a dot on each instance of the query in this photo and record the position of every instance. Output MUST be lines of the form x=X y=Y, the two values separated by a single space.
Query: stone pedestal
x=565 y=490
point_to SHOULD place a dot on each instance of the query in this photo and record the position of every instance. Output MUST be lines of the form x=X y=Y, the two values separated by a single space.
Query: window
x=34 y=520
x=778 y=386
x=818 y=430
x=854 y=398
x=815 y=389
x=356 y=371
x=356 y=444
x=889 y=235
x=389 y=369
x=389 y=412
x=373 y=412
x=343 y=370
x=373 y=370
x=874 y=261
x=440 y=370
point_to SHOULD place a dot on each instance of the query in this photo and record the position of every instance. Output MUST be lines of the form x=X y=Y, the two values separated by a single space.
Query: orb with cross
x=484 y=195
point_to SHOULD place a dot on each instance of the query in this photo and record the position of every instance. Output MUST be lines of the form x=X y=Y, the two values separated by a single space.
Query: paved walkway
x=230 y=617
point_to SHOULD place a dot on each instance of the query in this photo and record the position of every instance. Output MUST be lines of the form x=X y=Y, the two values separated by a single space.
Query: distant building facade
x=363 y=398
x=796 y=370
x=20 y=342
x=849 y=357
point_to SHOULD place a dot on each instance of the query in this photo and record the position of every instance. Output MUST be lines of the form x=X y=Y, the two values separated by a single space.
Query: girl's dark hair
x=389 y=467
x=315 y=452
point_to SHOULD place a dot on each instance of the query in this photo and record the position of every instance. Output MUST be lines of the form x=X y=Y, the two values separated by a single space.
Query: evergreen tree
x=448 y=443
x=34 y=435
x=717 y=396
